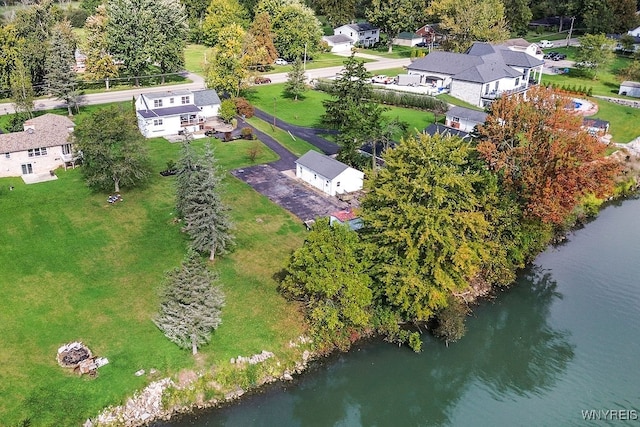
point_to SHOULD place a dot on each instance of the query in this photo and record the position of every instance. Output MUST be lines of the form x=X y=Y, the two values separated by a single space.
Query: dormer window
x=185 y=100
x=157 y=103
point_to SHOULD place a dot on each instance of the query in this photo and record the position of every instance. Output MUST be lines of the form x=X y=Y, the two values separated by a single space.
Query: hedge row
x=397 y=98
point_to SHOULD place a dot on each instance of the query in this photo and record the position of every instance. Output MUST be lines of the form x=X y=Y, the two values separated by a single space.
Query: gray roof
x=205 y=97
x=467 y=113
x=445 y=62
x=169 y=111
x=156 y=95
x=480 y=49
x=49 y=130
x=629 y=83
x=595 y=123
x=520 y=59
x=362 y=26
x=338 y=38
x=485 y=73
x=406 y=35
x=321 y=164
x=437 y=128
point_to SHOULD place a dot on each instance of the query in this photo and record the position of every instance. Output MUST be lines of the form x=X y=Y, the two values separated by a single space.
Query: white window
x=185 y=100
x=157 y=103
x=170 y=100
x=37 y=152
x=455 y=119
x=157 y=122
x=66 y=149
x=27 y=169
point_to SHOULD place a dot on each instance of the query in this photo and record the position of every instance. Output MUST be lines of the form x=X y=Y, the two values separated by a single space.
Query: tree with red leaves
x=542 y=154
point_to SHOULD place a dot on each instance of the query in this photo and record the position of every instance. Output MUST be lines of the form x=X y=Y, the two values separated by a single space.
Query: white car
x=544 y=44
x=281 y=61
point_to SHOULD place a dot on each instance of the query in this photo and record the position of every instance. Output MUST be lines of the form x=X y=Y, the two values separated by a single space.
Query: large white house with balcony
x=43 y=146
x=482 y=74
x=172 y=112
x=363 y=34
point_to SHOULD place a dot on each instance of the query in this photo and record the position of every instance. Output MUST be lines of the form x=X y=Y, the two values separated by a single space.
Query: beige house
x=43 y=146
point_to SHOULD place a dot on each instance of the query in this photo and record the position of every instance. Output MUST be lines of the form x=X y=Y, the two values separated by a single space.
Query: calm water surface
x=564 y=340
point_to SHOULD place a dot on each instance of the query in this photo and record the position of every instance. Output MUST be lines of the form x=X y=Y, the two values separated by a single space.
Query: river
x=565 y=339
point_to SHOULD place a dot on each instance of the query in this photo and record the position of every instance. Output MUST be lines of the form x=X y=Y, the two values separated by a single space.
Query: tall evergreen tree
x=191 y=304
x=205 y=216
x=60 y=76
x=296 y=83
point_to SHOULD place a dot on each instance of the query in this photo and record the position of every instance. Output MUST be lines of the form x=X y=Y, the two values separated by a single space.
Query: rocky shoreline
x=146 y=406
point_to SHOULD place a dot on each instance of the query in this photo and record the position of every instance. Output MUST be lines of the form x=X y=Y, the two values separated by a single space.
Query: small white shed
x=328 y=175
x=629 y=88
x=339 y=43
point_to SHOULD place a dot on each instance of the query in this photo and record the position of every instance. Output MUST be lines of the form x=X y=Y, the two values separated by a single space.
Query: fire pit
x=72 y=354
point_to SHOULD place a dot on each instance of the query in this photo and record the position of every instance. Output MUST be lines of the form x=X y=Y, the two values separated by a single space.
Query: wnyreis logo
x=609 y=414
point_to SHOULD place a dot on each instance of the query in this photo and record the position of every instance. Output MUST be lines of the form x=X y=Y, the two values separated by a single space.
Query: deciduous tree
x=112 y=149
x=595 y=50
x=328 y=275
x=99 y=63
x=11 y=46
x=220 y=14
x=21 y=90
x=468 y=21
x=518 y=15
x=425 y=224
x=296 y=83
x=394 y=16
x=296 y=31
x=205 y=216
x=337 y=12
x=263 y=37
x=191 y=304
x=542 y=154
x=171 y=22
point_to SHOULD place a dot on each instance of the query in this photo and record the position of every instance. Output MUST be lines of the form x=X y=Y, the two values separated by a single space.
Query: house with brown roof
x=43 y=146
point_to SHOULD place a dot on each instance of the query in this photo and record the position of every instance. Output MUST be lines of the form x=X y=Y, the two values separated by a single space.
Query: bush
x=227 y=110
x=451 y=326
x=244 y=108
x=247 y=133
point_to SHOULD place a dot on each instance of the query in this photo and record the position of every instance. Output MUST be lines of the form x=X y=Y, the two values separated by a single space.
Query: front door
x=27 y=169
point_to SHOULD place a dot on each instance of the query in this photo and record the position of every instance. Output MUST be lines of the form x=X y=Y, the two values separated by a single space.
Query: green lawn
x=397 y=51
x=321 y=60
x=624 y=121
x=297 y=146
x=78 y=268
x=194 y=56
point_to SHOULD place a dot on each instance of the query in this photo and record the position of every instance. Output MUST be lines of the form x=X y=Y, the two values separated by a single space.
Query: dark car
x=549 y=55
x=209 y=133
x=559 y=57
x=261 y=80
x=422 y=44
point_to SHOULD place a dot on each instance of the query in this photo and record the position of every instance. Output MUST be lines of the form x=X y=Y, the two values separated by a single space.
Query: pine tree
x=191 y=304
x=205 y=215
x=60 y=76
x=296 y=81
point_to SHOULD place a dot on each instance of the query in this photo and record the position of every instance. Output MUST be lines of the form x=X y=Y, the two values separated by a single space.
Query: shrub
x=243 y=107
x=451 y=326
x=227 y=110
x=76 y=17
x=247 y=133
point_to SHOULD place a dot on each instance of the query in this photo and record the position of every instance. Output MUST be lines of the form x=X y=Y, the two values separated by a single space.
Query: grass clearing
x=194 y=57
x=624 y=121
x=78 y=268
x=297 y=146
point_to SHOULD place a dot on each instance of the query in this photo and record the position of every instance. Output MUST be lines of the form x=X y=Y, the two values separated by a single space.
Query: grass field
x=297 y=146
x=308 y=110
x=78 y=268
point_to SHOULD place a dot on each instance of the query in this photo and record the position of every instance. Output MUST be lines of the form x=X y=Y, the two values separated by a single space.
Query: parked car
x=261 y=80
x=209 y=133
x=549 y=55
x=422 y=44
x=559 y=57
x=381 y=78
x=281 y=61
x=545 y=44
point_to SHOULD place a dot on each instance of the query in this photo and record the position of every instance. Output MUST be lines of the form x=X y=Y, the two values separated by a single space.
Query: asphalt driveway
x=302 y=201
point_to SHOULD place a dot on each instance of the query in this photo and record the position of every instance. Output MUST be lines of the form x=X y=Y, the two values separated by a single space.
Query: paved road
x=197 y=82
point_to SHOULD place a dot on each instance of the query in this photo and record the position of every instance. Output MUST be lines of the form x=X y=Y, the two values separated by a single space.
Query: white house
x=630 y=88
x=362 y=34
x=339 y=43
x=482 y=74
x=327 y=174
x=43 y=146
x=168 y=113
x=464 y=119
x=635 y=32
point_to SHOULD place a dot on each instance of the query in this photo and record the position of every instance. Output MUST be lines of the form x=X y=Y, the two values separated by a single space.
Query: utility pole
x=570 y=30
x=274 y=113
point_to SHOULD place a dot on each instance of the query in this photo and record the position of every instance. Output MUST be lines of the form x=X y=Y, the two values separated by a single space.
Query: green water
x=564 y=340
